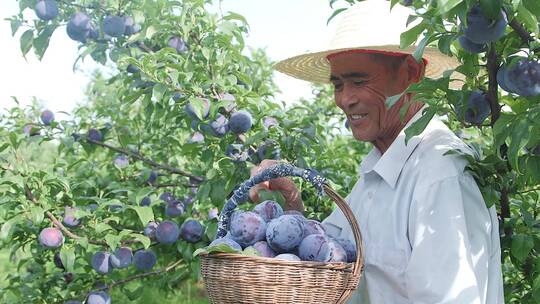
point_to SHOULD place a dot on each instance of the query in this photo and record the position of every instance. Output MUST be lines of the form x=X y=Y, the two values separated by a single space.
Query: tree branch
x=30 y=196
x=138 y=156
x=522 y=33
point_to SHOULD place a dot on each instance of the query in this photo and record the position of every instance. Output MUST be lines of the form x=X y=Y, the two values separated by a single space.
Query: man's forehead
x=348 y=75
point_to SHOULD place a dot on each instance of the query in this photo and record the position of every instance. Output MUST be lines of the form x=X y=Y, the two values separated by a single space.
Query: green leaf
x=391 y=101
x=409 y=37
x=419 y=51
x=528 y=19
x=67 y=255
x=418 y=126
x=446 y=5
x=250 y=251
x=41 y=42
x=334 y=14
x=235 y=16
x=36 y=214
x=223 y=248
x=533 y=6
x=536 y=289
x=26 y=41
x=7 y=228
x=518 y=140
x=145 y=213
x=144 y=240
x=521 y=246
x=113 y=240
x=15 y=24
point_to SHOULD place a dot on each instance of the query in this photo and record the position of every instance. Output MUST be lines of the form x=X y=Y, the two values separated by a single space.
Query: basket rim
x=337 y=266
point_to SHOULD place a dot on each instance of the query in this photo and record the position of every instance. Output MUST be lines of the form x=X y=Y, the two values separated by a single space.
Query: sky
x=285 y=28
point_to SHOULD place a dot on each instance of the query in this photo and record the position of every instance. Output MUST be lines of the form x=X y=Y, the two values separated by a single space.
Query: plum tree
x=481 y=29
x=132 y=69
x=178 y=44
x=167 y=232
x=144 y=259
x=31 y=130
x=121 y=258
x=313 y=227
x=349 y=247
x=150 y=230
x=114 y=26
x=269 y=150
x=247 y=228
x=51 y=237
x=46 y=9
x=191 y=231
x=268 y=210
x=101 y=262
x=287 y=257
x=98 y=297
x=264 y=250
x=240 y=122
x=285 y=233
x=236 y=152
x=523 y=78
x=121 y=161
x=80 y=28
x=47 y=117
x=69 y=217
x=470 y=46
x=477 y=108
x=58 y=261
x=220 y=125
x=95 y=135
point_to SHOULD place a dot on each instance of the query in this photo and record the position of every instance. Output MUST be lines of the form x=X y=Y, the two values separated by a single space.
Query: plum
x=219 y=126
x=101 y=262
x=477 y=108
x=236 y=152
x=114 y=26
x=178 y=44
x=523 y=78
x=481 y=29
x=287 y=257
x=285 y=233
x=349 y=247
x=132 y=69
x=174 y=208
x=95 y=135
x=98 y=297
x=240 y=122
x=144 y=259
x=152 y=177
x=313 y=227
x=167 y=232
x=58 y=261
x=501 y=78
x=46 y=9
x=191 y=231
x=247 y=228
x=150 y=230
x=471 y=47
x=51 y=237
x=196 y=138
x=31 y=130
x=130 y=26
x=320 y=248
x=167 y=197
x=269 y=122
x=73 y=302
x=79 y=27
x=69 y=217
x=121 y=161
x=145 y=201
x=47 y=117
x=269 y=150
x=268 y=210
x=121 y=258
x=264 y=250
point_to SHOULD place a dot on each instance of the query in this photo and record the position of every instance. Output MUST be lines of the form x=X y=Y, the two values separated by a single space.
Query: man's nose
x=349 y=96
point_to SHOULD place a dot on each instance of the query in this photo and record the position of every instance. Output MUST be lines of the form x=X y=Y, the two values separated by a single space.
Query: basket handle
x=284 y=170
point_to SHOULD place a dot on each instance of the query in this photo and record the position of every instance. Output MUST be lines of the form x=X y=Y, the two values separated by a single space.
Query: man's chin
x=361 y=136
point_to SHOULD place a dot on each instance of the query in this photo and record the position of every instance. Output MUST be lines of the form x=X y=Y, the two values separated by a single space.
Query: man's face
x=361 y=86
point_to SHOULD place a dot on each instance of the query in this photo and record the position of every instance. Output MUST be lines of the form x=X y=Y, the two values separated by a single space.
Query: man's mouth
x=355 y=117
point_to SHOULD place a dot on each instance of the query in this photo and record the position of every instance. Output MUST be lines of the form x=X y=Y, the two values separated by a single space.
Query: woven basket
x=233 y=278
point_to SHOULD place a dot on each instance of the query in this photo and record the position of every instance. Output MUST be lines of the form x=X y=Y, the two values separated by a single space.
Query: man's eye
x=359 y=82
x=337 y=85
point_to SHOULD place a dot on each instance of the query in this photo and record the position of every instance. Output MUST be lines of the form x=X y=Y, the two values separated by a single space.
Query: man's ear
x=415 y=69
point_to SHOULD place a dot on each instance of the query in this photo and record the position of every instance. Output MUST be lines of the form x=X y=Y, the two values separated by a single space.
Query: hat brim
x=315 y=67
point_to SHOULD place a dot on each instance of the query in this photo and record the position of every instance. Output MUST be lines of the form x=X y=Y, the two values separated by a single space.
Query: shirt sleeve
x=450 y=231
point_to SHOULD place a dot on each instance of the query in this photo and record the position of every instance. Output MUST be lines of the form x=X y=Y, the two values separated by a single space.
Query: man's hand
x=283 y=184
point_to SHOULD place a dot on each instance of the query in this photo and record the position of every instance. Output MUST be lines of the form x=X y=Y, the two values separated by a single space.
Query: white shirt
x=428 y=235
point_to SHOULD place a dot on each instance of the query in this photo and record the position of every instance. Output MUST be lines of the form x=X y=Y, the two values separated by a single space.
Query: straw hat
x=365 y=26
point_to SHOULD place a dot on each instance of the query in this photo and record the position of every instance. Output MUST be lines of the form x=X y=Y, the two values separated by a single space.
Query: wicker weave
x=233 y=278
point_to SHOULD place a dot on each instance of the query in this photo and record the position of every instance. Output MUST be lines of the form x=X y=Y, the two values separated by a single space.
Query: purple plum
x=191 y=231
x=264 y=250
x=167 y=232
x=247 y=228
x=268 y=210
x=51 y=237
x=285 y=233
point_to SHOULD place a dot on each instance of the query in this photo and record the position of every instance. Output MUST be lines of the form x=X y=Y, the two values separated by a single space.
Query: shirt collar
x=390 y=164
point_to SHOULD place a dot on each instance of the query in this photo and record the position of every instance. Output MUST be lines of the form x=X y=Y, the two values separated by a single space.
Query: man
x=428 y=235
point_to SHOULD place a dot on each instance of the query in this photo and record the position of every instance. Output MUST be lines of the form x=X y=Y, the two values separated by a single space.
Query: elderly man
x=428 y=235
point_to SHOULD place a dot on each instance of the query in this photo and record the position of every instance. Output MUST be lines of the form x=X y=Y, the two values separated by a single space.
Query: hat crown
x=369 y=23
